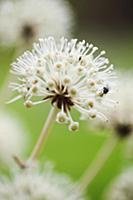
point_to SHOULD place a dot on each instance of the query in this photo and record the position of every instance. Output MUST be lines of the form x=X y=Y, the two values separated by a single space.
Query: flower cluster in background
x=25 y=21
x=122 y=187
x=34 y=185
x=120 y=116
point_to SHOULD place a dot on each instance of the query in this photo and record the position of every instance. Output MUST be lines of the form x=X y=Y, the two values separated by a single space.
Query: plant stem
x=19 y=162
x=98 y=163
x=44 y=134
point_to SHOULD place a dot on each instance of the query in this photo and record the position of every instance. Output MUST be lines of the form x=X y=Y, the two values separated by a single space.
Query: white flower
x=33 y=185
x=121 y=117
x=122 y=188
x=26 y=21
x=67 y=74
x=12 y=137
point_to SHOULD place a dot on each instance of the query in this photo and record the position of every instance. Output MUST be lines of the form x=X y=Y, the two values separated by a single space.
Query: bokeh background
x=109 y=25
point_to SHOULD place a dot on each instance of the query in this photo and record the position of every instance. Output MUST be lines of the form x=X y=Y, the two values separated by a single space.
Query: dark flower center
x=123 y=130
x=61 y=99
x=28 y=32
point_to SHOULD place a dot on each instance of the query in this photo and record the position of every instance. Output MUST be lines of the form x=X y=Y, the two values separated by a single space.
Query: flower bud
x=74 y=126
x=28 y=104
x=73 y=91
x=61 y=117
x=92 y=114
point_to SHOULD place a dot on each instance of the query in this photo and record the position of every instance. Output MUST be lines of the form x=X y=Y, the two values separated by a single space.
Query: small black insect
x=105 y=90
x=80 y=58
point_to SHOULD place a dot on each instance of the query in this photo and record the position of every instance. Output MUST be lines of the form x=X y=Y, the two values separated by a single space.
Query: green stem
x=44 y=134
x=98 y=163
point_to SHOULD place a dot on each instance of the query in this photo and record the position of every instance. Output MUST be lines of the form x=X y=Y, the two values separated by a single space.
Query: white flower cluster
x=122 y=189
x=22 y=20
x=13 y=137
x=68 y=74
x=33 y=185
x=121 y=116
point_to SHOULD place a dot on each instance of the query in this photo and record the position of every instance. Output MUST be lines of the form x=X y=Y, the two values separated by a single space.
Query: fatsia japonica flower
x=121 y=115
x=25 y=21
x=32 y=184
x=69 y=74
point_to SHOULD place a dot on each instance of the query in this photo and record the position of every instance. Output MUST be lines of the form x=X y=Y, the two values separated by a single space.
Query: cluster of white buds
x=33 y=185
x=121 y=116
x=66 y=73
x=35 y=20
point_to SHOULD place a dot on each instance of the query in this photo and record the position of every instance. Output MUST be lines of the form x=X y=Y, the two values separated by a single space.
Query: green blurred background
x=108 y=25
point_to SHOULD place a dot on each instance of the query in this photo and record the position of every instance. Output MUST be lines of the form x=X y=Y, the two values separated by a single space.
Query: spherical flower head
x=68 y=74
x=31 y=184
x=37 y=19
x=12 y=137
x=123 y=119
x=121 y=116
x=122 y=188
x=120 y=112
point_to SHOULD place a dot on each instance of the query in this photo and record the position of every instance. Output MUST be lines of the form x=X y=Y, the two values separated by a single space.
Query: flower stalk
x=98 y=163
x=44 y=134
